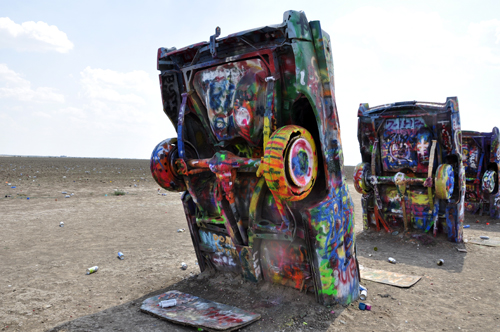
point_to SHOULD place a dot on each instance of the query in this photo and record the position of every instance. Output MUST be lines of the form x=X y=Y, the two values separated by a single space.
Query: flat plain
x=43 y=285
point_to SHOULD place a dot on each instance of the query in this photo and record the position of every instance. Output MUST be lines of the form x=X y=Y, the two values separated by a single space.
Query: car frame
x=411 y=176
x=481 y=158
x=259 y=156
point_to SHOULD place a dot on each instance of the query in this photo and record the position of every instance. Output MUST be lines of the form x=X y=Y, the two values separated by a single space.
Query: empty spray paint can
x=184 y=266
x=391 y=260
x=92 y=269
x=61 y=224
x=363 y=293
x=440 y=262
x=120 y=255
x=168 y=303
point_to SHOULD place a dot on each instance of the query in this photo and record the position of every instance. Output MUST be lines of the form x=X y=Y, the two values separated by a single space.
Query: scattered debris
x=167 y=303
x=468 y=226
x=389 y=278
x=61 y=224
x=363 y=293
x=391 y=260
x=181 y=230
x=92 y=269
x=440 y=262
x=184 y=266
x=362 y=306
x=120 y=255
x=198 y=312
x=491 y=242
x=484 y=237
x=461 y=250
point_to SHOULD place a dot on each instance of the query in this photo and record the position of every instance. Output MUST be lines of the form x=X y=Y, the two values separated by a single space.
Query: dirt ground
x=43 y=285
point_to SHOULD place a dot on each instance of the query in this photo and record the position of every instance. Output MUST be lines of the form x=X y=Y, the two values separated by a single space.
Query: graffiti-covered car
x=481 y=158
x=259 y=156
x=411 y=176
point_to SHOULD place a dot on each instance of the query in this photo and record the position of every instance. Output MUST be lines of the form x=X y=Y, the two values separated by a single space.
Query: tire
x=361 y=175
x=162 y=164
x=444 y=181
x=290 y=163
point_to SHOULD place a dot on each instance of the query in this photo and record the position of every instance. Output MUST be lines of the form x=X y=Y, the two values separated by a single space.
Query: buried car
x=481 y=158
x=411 y=175
x=259 y=157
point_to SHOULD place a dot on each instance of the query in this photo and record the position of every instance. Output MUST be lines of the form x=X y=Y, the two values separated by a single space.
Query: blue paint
x=300 y=164
x=451 y=181
x=221 y=96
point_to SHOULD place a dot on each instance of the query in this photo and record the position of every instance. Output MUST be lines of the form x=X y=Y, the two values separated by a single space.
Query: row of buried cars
x=420 y=171
x=258 y=157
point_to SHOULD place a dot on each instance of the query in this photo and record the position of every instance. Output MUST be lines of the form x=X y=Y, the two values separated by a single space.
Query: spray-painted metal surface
x=194 y=311
x=259 y=156
x=411 y=175
x=481 y=158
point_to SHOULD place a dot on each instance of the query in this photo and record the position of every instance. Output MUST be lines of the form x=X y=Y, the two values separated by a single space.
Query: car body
x=411 y=175
x=259 y=156
x=481 y=158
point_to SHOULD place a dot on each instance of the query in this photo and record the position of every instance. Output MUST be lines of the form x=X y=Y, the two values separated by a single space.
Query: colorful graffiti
x=480 y=153
x=194 y=311
x=259 y=154
x=413 y=179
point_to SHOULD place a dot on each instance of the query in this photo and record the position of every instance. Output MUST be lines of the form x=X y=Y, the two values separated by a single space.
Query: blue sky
x=80 y=79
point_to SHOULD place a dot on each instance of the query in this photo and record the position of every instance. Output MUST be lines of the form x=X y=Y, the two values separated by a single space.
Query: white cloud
x=118 y=99
x=112 y=86
x=33 y=36
x=13 y=86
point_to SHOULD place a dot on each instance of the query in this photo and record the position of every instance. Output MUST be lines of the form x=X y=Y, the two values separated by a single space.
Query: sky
x=79 y=78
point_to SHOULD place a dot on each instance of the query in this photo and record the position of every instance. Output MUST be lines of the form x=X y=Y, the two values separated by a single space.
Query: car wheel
x=290 y=163
x=444 y=181
x=162 y=164
x=362 y=173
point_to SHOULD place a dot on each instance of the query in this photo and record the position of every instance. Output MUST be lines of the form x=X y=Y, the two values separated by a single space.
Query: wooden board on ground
x=194 y=311
x=389 y=278
x=491 y=242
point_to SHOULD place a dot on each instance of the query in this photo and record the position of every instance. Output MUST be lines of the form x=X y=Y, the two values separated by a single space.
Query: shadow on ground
x=282 y=308
x=422 y=249
x=409 y=249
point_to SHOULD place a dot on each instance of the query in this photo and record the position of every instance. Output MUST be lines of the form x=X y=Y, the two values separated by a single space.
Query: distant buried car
x=481 y=157
x=259 y=156
x=411 y=175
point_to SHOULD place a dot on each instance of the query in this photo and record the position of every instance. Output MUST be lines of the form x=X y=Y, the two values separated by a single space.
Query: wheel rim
x=300 y=162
